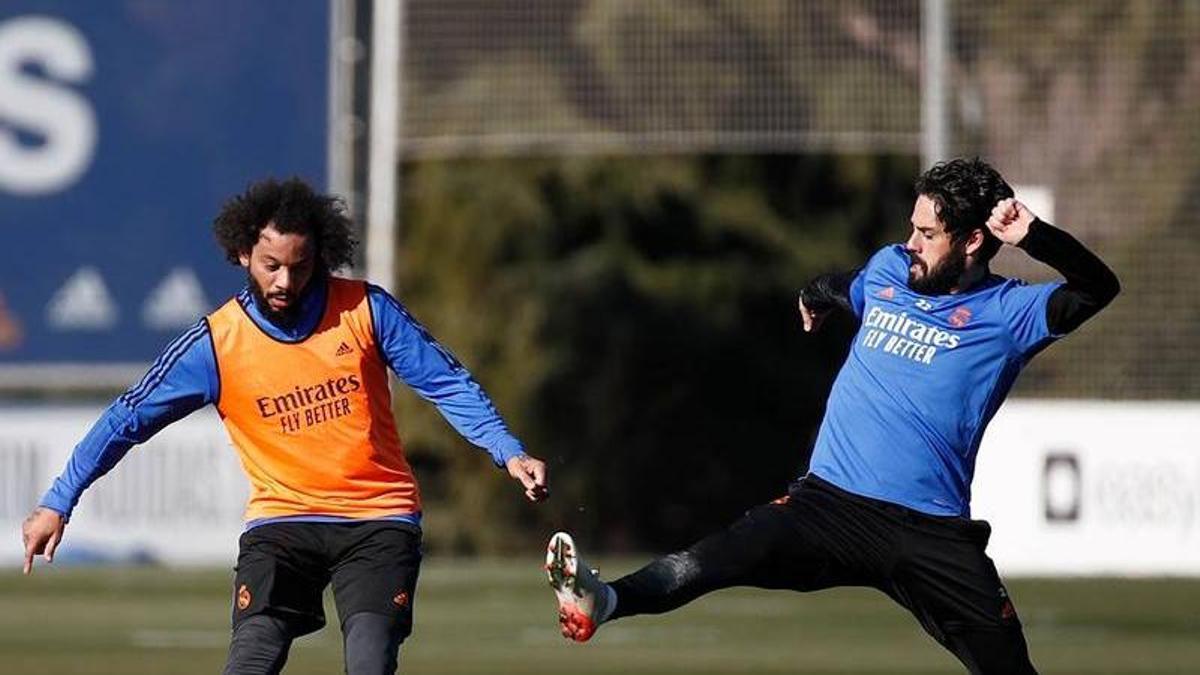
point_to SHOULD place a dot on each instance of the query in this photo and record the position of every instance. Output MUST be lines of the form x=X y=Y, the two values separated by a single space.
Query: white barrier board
x=1092 y=487
x=177 y=499
x=1070 y=488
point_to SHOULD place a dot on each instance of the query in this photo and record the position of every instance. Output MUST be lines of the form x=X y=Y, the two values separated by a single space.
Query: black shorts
x=283 y=569
x=936 y=567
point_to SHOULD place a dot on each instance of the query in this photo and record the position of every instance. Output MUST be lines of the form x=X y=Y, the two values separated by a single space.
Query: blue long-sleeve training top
x=185 y=378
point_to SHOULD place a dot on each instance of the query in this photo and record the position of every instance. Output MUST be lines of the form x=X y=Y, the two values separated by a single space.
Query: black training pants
x=820 y=537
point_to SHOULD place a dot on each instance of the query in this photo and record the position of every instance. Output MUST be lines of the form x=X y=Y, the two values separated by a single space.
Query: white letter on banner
x=61 y=117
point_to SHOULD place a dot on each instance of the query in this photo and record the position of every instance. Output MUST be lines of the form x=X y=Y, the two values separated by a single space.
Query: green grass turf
x=499 y=617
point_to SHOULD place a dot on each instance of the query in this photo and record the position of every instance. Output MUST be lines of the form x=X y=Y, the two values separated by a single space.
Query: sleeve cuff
x=505 y=450
x=1029 y=243
x=55 y=502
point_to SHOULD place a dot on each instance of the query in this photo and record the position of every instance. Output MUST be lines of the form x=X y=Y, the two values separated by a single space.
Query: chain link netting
x=1093 y=108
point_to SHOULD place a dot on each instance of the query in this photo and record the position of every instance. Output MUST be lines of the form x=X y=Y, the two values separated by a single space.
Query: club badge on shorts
x=243 y=597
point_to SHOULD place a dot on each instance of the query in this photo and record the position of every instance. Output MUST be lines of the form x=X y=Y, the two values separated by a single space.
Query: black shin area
x=742 y=554
x=372 y=643
x=665 y=584
x=259 y=646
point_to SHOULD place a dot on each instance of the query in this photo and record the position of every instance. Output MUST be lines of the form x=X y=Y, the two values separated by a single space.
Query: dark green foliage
x=635 y=320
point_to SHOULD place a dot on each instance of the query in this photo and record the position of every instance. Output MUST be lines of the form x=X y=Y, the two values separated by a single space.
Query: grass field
x=498 y=617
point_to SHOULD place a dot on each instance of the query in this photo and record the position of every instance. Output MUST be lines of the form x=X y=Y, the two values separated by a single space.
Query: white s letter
x=61 y=117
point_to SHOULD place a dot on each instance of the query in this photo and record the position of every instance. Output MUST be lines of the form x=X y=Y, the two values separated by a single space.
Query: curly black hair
x=291 y=206
x=963 y=192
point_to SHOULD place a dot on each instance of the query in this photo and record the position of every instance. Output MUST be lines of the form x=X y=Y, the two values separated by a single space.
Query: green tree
x=635 y=320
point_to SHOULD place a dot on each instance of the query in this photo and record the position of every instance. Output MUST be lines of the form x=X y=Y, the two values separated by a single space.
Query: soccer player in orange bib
x=296 y=364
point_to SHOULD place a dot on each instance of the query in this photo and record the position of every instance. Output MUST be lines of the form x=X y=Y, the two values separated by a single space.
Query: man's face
x=280 y=267
x=936 y=262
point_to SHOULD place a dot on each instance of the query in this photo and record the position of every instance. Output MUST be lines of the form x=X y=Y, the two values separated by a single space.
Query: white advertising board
x=177 y=499
x=1070 y=488
x=1092 y=488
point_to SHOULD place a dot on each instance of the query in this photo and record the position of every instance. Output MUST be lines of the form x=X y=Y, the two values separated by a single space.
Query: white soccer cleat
x=582 y=597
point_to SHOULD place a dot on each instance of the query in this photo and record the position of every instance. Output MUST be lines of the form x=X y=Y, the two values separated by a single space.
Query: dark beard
x=284 y=318
x=943 y=277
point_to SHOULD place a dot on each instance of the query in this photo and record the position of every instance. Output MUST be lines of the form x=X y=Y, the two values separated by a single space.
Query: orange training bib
x=312 y=420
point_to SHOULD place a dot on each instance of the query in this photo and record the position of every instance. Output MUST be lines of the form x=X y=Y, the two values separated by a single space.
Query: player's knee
x=259 y=646
x=372 y=642
x=993 y=652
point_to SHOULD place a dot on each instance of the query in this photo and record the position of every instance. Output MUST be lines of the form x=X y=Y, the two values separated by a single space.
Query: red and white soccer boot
x=584 y=602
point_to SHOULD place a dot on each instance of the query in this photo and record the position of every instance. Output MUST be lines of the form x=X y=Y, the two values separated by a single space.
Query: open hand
x=531 y=473
x=812 y=318
x=41 y=532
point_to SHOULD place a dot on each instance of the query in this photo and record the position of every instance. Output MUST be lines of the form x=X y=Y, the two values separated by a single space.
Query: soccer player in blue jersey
x=886 y=500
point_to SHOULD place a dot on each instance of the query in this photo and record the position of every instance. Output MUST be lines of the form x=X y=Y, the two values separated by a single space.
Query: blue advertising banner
x=124 y=125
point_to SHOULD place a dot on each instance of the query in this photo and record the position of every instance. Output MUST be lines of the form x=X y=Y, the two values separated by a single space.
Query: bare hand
x=531 y=472
x=41 y=532
x=1010 y=221
x=811 y=317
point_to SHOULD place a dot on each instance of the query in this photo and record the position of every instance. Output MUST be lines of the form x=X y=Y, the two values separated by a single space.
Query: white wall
x=178 y=498
x=1070 y=487
x=1090 y=487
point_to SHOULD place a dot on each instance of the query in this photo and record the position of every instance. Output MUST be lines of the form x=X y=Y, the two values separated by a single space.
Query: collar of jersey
x=312 y=307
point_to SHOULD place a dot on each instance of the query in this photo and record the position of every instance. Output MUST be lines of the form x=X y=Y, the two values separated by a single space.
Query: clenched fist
x=1010 y=221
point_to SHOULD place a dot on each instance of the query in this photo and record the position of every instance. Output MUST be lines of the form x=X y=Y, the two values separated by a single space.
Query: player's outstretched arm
x=182 y=380
x=41 y=532
x=824 y=294
x=1090 y=284
x=438 y=377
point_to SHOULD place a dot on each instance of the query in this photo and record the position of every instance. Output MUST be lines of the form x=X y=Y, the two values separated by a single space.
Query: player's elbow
x=1108 y=290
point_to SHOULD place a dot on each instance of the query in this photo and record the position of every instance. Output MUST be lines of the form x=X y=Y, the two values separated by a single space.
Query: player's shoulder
x=1013 y=294
x=889 y=264
x=346 y=285
x=241 y=298
x=345 y=294
x=1008 y=297
x=1002 y=287
x=374 y=291
x=385 y=307
x=229 y=313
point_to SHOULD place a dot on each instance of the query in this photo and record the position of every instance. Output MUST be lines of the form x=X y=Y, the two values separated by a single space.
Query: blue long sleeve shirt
x=184 y=379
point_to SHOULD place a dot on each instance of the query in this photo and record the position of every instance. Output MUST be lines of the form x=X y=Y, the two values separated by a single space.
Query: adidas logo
x=887 y=293
x=177 y=302
x=343 y=350
x=83 y=303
